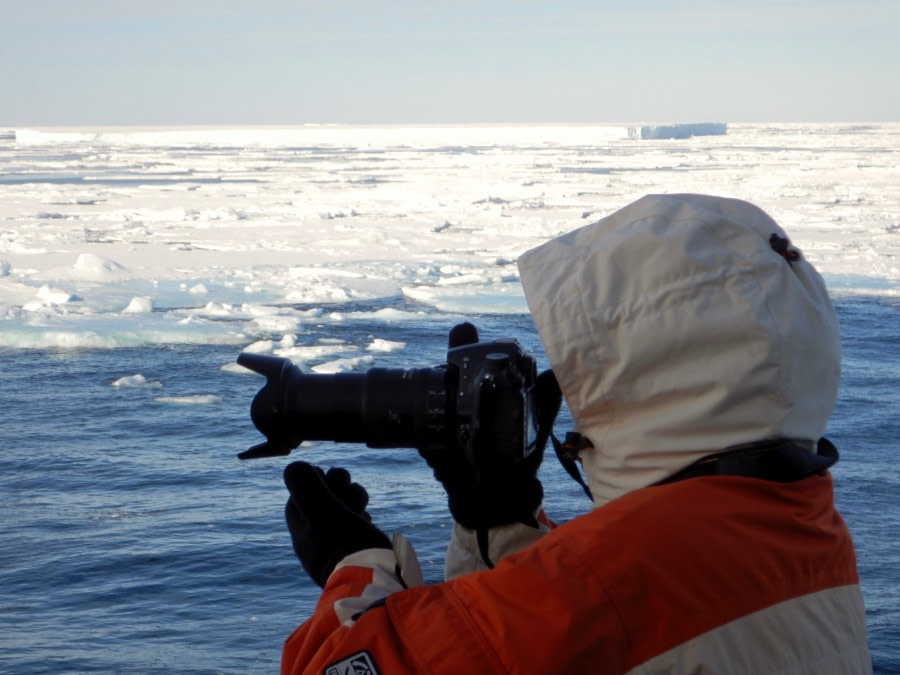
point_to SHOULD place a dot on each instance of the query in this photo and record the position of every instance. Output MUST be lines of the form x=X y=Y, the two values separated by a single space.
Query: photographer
x=699 y=355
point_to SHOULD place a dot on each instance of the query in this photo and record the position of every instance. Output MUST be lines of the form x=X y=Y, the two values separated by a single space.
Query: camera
x=481 y=400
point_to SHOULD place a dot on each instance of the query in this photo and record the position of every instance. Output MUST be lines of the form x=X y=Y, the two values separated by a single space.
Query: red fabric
x=606 y=591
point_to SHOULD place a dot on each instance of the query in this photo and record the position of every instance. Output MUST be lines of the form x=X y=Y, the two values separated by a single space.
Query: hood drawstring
x=568 y=453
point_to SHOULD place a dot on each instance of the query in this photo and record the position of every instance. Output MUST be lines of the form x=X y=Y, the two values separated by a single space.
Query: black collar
x=778 y=460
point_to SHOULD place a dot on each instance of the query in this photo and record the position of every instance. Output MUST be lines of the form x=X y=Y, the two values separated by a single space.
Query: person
x=699 y=355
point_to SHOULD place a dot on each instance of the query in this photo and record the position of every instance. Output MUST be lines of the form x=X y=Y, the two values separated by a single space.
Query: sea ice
x=199 y=399
x=342 y=365
x=243 y=235
x=380 y=345
x=135 y=381
x=54 y=296
x=92 y=266
x=139 y=305
x=677 y=131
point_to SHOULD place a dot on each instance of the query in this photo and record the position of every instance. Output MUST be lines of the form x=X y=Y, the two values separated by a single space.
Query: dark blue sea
x=134 y=541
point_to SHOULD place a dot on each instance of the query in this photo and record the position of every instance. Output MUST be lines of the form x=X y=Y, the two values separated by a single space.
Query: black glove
x=496 y=492
x=326 y=516
x=493 y=490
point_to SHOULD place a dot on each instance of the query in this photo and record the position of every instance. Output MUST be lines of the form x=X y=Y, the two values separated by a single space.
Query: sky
x=284 y=62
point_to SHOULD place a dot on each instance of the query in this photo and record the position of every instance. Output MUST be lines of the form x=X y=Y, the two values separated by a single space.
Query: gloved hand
x=495 y=493
x=326 y=516
x=494 y=490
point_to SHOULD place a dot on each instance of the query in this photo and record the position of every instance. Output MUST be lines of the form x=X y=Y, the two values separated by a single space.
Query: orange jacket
x=713 y=575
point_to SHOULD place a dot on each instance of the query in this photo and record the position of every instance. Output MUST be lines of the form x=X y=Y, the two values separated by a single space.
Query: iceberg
x=677 y=130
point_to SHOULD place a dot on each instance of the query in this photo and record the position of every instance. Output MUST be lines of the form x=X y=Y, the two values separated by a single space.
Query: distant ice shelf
x=678 y=130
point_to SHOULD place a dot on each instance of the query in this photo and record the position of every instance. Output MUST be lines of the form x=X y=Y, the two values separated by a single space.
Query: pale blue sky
x=102 y=62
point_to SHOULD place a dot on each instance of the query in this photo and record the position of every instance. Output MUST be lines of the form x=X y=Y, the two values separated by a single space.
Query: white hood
x=675 y=330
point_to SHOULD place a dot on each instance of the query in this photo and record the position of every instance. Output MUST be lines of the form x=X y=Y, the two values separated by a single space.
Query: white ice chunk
x=268 y=346
x=464 y=279
x=236 y=368
x=499 y=298
x=260 y=347
x=319 y=292
x=91 y=266
x=139 y=305
x=200 y=399
x=379 y=345
x=218 y=309
x=135 y=381
x=341 y=365
x=318 y=272
x=277 y=324
x=304 y=354
x=287 y=341
x=54 y=296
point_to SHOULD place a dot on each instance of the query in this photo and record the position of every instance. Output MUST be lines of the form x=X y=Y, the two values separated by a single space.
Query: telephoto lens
x=383 y=407
x=479 y=401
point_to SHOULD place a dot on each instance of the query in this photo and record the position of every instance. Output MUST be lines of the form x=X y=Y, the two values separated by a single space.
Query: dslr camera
x=480 y=401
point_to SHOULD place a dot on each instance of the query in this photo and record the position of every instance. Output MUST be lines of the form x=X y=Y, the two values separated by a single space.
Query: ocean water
x=136 y=265
x=135 y=541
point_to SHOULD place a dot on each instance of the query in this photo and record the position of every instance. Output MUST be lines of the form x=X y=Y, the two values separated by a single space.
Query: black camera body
x=480 y=401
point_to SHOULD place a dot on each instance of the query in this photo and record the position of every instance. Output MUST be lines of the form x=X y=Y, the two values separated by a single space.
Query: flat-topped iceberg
x=678 y=130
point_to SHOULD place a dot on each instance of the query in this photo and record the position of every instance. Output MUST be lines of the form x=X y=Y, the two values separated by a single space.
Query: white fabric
x=385 y=565
x=675 y=331
x=405 y=554
x=817 y=634
x=463 y=555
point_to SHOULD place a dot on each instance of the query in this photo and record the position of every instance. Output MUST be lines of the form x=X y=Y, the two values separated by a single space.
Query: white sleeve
x=392 y=570
x=463 y=555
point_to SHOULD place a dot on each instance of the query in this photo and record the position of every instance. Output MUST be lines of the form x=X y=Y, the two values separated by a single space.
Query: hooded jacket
x=677 y=327
x=676 y=330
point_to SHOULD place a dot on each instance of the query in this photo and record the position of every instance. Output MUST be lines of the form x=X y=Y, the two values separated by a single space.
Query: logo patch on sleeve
x=360 y=663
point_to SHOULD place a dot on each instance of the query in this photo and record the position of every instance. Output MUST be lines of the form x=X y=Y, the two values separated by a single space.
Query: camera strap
x=548 y=400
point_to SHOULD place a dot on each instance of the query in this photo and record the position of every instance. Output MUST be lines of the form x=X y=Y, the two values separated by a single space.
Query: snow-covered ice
x=129 y=237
